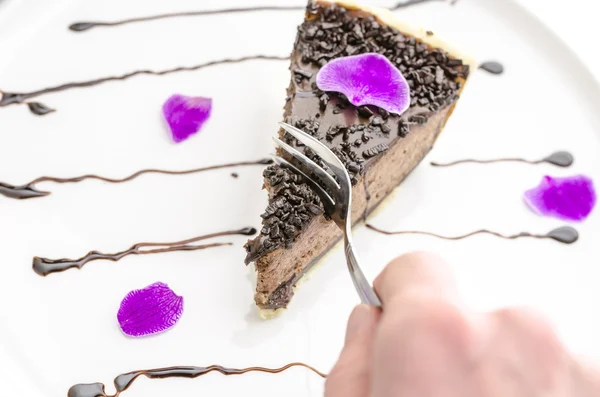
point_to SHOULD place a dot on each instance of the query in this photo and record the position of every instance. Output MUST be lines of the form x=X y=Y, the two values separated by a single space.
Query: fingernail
x=359 y=320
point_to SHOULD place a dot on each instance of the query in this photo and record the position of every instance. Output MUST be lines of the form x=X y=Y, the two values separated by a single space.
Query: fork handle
x=363 y=287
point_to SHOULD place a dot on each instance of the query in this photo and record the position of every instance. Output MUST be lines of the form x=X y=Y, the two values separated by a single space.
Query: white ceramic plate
x=61 y=330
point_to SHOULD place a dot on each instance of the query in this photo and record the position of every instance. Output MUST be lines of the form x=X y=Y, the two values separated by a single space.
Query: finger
x=532 y=342
x=350 y=375
x=585 y=379
x=424 y=341
x=417 y=274
x=523 y=342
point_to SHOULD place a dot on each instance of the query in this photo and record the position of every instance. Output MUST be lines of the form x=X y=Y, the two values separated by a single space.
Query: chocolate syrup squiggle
x=29 y=190
x=87 y=25
x=124 y=381
x=565 y=234
x=492 y=67
x=409 y=3
x=560 y=159
x=14 y=98
x=45 y=266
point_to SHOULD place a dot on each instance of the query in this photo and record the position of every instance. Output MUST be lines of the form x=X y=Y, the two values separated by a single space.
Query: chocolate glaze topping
x=560 y=159
x=85 y=26
x=14 y=98
x=358 y=136
x=45 y=266
x=29 y=190
x=565 y=234
x=124 y=381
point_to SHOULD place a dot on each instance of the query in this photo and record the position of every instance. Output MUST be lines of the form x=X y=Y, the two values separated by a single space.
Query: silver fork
x=339 y=206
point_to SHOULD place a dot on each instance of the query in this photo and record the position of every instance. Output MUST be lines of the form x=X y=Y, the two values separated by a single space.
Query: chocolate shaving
x=419 y=119
x=374 y=151
x=292 y=205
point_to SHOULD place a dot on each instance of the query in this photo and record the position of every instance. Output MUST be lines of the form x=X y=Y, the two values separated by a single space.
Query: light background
x=575 y=23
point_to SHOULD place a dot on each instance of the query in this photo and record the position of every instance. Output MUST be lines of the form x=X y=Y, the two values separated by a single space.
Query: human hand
x=426 y=344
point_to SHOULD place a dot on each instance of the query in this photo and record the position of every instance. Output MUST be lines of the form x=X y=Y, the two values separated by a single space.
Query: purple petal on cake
x=185 y=115
x=572 y=198
x=149 y=310
x=366 y=79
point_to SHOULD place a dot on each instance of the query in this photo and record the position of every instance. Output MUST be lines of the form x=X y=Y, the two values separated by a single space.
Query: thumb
x=351 y=374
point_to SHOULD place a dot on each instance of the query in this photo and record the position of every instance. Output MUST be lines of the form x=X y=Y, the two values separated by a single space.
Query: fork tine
x=323 y=175
x=337 y=167
x=328 y=202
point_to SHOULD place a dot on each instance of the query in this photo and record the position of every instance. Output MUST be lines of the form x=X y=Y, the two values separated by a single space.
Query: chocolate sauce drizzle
x=565 y=234
x=560 y=159
x=124 y=381
x=87 y=25
x=84 y=26
x=29 y=190
x=45 y=266
x=39 y=109
x=13 y=98
x=492 y=67
x=409 y=3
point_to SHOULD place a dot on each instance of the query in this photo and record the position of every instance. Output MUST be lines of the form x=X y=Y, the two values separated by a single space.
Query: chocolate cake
x=379 y=149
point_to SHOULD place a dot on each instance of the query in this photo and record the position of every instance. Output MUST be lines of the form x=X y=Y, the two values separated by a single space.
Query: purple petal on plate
x=185 y=115
x=367 y=79
x=572 y=198
x=149 y=310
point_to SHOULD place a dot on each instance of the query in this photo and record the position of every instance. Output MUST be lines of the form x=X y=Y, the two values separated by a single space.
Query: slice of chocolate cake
x=379 y=149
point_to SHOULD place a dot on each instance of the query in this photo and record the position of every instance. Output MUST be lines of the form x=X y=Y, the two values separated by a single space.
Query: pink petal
x=367 y=79
x=185 y=115
x=571 y=198
x=150 y=310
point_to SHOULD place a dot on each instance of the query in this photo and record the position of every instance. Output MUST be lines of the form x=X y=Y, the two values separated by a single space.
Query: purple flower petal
x=186 y=115
x=571 y=198
x=150 y=310
x=367 y=79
